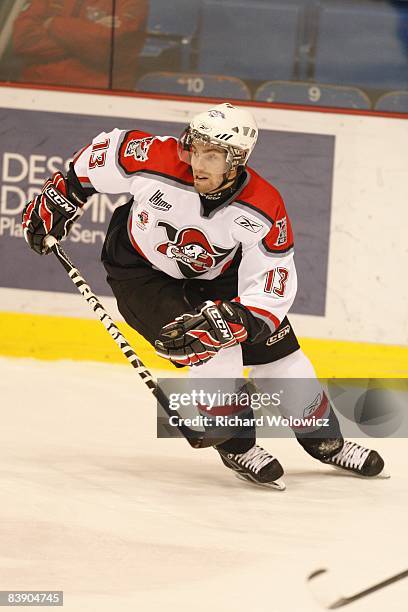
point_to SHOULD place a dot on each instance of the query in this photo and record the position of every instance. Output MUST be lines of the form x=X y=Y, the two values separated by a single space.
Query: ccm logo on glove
x=219 y=322
x=195 y=337
x=60 y=202
x=51 y=213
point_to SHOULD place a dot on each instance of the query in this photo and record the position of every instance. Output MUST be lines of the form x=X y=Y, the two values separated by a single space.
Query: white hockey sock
x=301 y=394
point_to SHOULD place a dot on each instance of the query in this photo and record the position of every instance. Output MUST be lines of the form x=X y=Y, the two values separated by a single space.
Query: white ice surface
x=93 y=504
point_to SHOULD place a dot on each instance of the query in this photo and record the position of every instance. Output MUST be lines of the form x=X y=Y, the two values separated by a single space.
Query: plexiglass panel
x=335 y=53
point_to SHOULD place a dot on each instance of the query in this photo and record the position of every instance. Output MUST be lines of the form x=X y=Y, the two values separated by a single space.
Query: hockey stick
x=324 y=589
x=197 y=439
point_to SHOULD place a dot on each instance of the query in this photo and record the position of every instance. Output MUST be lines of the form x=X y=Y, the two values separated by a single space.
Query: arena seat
x=362 y=44
x=393 y=102
x=170 y=27
x=312 y=95
x=192 y=84
x=173 y=18
x=251 y=40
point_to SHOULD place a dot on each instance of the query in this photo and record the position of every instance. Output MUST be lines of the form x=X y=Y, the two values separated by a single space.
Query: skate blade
x=277 y=485
x=381 y=476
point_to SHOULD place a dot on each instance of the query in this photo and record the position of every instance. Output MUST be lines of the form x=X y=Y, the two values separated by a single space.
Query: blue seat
x=173 y=17
x=312 y=95
x=361 y=44
x=171 y=25
x=393 y=102
x=250 y=40
x=154 y=48
x=187 y=84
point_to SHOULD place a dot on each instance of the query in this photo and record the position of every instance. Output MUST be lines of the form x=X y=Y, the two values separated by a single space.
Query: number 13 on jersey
x=275 y=281
x=98 y=155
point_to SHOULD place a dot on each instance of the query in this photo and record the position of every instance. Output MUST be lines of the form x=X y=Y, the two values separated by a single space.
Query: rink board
x=34 y=143
x=50 y=338
x=343 y=180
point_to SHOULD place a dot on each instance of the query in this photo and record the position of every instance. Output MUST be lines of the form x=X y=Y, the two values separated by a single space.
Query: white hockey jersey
x=167 y=227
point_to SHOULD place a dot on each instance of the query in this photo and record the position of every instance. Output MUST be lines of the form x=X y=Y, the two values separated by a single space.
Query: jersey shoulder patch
x=156 y=155
x=263 y=202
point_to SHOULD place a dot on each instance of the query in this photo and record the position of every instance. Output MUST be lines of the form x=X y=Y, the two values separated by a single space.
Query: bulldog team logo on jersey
x=191 y=249
x=139 y=149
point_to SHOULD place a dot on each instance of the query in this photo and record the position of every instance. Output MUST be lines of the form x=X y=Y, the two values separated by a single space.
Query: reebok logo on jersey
x=139 y=149
x=249 y=224
x=282 y=225
x=157 y=202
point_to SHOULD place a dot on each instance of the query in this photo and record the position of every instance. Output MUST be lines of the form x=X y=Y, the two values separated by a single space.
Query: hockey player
x=200 y=261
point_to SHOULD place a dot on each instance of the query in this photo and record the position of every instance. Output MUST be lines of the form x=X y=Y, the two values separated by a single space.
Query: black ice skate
x=359 y=460
x=255 y=466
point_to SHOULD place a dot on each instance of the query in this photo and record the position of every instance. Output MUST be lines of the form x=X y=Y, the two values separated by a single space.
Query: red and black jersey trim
x=257 y=210
x=146 y=170
x=272 y=222
x=156 y=173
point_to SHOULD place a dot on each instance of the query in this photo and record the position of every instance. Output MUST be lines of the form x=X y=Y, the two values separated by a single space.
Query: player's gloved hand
x=195 y=337
x=52 y=212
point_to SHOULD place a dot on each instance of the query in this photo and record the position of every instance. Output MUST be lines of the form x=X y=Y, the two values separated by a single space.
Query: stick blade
x=324 y=586
x=324 y=590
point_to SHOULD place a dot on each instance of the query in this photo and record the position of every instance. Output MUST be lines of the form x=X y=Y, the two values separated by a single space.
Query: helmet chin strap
x=227 y=184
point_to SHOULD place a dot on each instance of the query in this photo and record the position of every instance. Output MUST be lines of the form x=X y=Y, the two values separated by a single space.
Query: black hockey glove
x=52 y=212
x=195 y=337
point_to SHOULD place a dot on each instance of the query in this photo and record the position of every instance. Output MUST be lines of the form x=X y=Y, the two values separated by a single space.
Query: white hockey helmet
x=226 y=126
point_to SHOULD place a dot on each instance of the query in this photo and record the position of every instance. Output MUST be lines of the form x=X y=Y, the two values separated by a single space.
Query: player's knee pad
x=300 y=392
